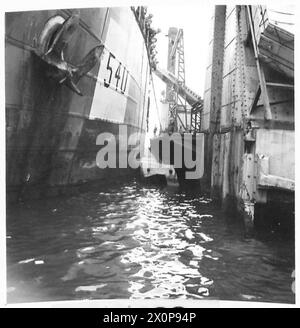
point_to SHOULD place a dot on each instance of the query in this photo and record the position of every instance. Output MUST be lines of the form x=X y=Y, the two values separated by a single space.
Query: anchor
x=50 y=48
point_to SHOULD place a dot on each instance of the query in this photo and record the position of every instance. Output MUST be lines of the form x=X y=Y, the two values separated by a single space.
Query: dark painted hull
x=66 y=170
x=50 y=134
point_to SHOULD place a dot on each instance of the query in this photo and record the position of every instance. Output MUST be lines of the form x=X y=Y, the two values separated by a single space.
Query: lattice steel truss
x=183 y=115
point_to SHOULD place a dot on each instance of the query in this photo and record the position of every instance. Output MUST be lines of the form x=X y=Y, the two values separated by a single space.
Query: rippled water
x=140 y=242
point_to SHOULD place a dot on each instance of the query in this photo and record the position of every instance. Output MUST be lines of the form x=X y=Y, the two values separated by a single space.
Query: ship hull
x=51 y=131
x=72 y=170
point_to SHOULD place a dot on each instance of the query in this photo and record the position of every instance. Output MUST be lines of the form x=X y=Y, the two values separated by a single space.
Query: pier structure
x=248 y=111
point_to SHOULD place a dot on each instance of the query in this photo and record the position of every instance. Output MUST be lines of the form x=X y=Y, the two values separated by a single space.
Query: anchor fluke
x=88 y=62
x=73 y=86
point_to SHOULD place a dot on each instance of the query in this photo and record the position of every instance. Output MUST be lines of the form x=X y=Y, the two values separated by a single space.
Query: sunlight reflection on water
x=139 y=242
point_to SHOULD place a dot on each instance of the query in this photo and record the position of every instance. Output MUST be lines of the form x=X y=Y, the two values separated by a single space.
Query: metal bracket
x=260 y=71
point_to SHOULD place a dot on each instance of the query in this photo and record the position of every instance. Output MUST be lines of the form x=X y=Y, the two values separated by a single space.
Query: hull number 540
x=117 y=74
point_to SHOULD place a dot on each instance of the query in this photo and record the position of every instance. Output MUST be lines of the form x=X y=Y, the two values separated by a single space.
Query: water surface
x=134 y=241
